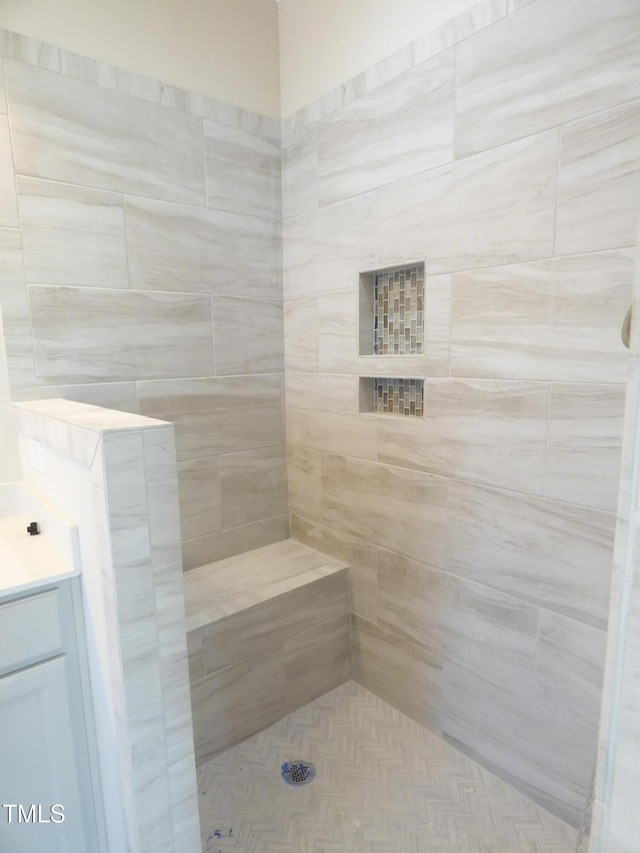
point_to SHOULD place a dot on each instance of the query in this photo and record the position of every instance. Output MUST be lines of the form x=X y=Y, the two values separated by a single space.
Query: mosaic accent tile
x=398 y=318
x=399 y=396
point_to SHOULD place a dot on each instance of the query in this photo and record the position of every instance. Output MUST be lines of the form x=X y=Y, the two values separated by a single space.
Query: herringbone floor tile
x=384 y=784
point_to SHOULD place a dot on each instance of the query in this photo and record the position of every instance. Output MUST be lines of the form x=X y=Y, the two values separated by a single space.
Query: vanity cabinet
x=47 y=787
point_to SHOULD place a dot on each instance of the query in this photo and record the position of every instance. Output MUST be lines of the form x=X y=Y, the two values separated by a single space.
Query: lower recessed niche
x=389 y=396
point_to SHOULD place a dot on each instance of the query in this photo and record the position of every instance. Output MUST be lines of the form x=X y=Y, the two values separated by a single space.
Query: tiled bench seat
x=268 y=631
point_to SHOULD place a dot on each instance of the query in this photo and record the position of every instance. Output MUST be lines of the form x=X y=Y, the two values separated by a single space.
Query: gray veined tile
x=218 y=415
x=585 y=442
x=397 y=130
x=235 y=540
x=547 y=552
x=550 y=320
x=332 y=432
x=181 y=248
x=304 y=480
x=437 y=324
x=14 y=303
x=569 y=671
x=487 y=431
x=326 y=249
x=243 y=171
x=399 y=509
x=300 y=172
x=301 y=333
x=543 y=757
x=456 y=29
x=102 y=139
x=324 y=391
x=599 y=181
x=248 y=335
x=502 y=70
x=200 y=497
x=72 y=236
x=3 y=92
x=253 y=485
x=86 y=335
x=360 y=556
x=8 y=202
x=110 y=395
x=494 y=208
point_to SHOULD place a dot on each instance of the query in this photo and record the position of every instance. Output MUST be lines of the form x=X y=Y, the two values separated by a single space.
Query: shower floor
x=383 y=784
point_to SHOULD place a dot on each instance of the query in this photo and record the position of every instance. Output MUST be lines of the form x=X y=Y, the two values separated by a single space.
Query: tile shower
x=142 y=272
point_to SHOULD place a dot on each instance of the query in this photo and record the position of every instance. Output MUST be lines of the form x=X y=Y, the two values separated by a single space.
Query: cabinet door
x=38 y=763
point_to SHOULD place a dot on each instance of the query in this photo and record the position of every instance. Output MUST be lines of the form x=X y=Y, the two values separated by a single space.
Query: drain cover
x=298 y=772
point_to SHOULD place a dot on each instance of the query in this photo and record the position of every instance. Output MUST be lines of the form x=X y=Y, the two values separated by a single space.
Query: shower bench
x=267 y=631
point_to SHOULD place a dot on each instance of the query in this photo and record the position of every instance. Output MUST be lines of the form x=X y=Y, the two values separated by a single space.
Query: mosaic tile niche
x=391 y=316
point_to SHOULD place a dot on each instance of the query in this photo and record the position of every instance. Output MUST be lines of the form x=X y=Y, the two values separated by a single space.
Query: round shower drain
x=298 y=772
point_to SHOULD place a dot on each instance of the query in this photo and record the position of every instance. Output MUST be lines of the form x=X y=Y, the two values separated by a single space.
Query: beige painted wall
x=323 y=43
x=227 y=49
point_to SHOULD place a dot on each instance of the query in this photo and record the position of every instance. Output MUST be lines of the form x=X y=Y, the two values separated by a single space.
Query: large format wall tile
x=557 y=319
x=243 y=171
x=301 y=330
x=8 y=202
x=585 y=439
x=323 y=391
x=345 y=435
x=327 y=248
x=582 y=54
x=407 y=677
x=102 y=139
x=200 y=499
x=359 y=555
x=599 y=181
x=14 y=303
x=110 y=395
x=569 y=671
x=550 y=553
x=398 y=509
x=304 y=479
x=493 y=432
x=300 y=172
x=547 y=759
x=254 y=485
x=397 y=130
x=494 y=208
x=227 y=543
x=218 y=415
x=87 y=335
x=249 y=336
x=72 y=235
x=176 y=247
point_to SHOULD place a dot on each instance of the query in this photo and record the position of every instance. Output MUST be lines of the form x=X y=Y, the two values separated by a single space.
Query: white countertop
x=27 y=561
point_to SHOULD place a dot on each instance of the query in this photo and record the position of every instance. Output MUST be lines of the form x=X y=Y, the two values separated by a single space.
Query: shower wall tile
x=304 y=478
x=407 y=677
x=323 y=391
x=21 y=366
x=361 y=557
x=218 y=415
x=491 y=432
x=569 y=671
x=495 y=208
x=237 y=540
x=249 y=335
x=585 y=439
x=402 y=510
x=86 y=335
x=180 y=248
x=462 y=26
x=348 y=435
x=558 y=319
x=300 y=172
x=3 y=92
x=253 y=485
x=494 y=538
x=200 y=497
x=328 y=646
x=243 y=171
x=326 y=249
x=552 y=46
x=8 y=202
x=111 y=395
x=412 y=598
x=301 y=334
x=599 y=181
x=547 y=759
x=437 y=324
x=72 y=235
x=491 y=635
x=102 y=139
x=14 y=303
x=397 y=130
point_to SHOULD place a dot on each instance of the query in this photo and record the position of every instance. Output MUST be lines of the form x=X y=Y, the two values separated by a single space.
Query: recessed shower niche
x=391 y=324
